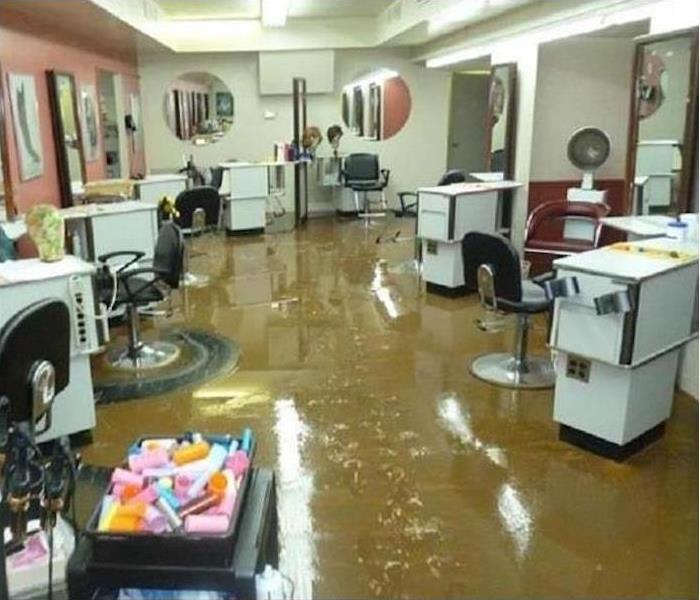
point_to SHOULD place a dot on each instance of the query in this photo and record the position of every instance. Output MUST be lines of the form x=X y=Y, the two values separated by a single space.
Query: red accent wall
x=397 y=106
x=25 y=52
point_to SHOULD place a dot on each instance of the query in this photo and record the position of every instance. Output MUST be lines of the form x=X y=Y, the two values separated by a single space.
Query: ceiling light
x=274 y=12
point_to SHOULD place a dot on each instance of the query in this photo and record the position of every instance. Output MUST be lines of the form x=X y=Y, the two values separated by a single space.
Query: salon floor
x=400 y=474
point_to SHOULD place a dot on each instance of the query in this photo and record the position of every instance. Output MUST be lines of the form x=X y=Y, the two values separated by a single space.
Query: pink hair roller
x=151 y=459
x=148 y=496
x=124 y=477
x=182 y=484
x=238 y=463
x=206 y=524
x=118 y=490
x=159 y=472
x=155 y=521
x=225 y=507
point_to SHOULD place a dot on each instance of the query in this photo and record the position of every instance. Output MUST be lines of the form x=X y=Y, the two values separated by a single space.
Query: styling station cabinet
x=622 y=315
x=246 y=188
x=445 y=215
x=152 y=188
x=23 y=282
x=97 y=229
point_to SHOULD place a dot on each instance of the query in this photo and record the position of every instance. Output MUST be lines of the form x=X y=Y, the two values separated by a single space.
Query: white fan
x=588 y=149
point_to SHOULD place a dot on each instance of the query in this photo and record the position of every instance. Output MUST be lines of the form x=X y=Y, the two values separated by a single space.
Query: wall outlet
x=269 y=115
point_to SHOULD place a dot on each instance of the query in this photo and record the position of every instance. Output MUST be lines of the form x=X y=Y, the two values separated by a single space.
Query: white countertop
x=162 y=178
x=462 y=189
x=641 y=225
x=488 y=176
x=632 y=265
x=268 y=163
x=32 y=269
x=95 y=210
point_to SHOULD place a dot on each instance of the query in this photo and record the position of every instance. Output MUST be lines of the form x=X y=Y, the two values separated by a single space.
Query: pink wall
x=24 y=52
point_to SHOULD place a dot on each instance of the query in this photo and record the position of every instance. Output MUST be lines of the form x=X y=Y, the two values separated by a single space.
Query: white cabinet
x=24 y=282
x=154 y=187
x=247 y=188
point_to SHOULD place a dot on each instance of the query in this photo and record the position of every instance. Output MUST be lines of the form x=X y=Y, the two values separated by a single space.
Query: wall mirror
x=70 y=158
x=7 y=207
x=199 y=108
x=500 y=126
x=376 y=105
x=662 y=150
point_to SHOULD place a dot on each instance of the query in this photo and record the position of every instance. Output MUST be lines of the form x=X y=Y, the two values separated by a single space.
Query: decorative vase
x=46 y=228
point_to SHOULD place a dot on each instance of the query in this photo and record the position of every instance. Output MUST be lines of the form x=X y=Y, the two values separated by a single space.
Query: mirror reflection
x=68 y=139
x=662 y=94
x=376 y=105
x=199 y=108
x=501 y=97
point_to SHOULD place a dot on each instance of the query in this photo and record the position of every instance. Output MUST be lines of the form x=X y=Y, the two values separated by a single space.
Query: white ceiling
x=250 y=9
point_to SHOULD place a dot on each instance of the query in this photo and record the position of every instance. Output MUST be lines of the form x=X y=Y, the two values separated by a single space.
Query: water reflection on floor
x=400 y=475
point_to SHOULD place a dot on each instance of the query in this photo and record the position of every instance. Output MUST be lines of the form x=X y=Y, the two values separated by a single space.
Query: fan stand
x=574 y=230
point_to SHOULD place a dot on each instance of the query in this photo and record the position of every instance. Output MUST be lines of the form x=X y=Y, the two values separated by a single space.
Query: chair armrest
x=404 y=194
x=136 y=255
x=543 y=278
x=127 y=276
x=385 y=175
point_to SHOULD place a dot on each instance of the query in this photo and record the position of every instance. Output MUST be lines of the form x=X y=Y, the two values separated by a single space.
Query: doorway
x=467 y=126
x=111 y=101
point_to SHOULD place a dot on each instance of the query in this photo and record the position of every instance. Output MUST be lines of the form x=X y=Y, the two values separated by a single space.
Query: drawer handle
x=615 y=303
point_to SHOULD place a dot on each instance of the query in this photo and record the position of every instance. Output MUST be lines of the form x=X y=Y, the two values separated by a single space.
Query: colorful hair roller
x=107 y=511
x=217 y=484
x=206 y=524
x=216 y=459
x=170 y=498
x=167 y=471
x=182 y=484
x=238 y=463
x=151 y=459
x=146 y=496
x=166 y=483
x=125 y=524
x=233 y=446
x=198 y=505
x=191 y=453
x=126 y=477
x=173 y=519
x=247 y=440
x=155 y=521
x=222 y=440
x=134 y=510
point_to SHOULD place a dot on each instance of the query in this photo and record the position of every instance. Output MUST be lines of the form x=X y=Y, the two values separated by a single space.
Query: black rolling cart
x=255 y=546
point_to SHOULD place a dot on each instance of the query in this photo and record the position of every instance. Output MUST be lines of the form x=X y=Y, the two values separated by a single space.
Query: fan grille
x=588 y=148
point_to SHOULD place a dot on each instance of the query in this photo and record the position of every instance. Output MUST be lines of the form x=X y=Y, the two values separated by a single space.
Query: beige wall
x=581 y=82
x=416 y=155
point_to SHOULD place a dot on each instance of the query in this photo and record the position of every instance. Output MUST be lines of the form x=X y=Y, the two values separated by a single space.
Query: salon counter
x=153 y=187
x=445 y=215
x=618 y=329
x=23 y=282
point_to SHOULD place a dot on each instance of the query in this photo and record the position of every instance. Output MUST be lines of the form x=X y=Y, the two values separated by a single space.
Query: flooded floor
x=400 y=475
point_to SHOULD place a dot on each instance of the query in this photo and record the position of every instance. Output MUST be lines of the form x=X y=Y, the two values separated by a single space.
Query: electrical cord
x=112 y=302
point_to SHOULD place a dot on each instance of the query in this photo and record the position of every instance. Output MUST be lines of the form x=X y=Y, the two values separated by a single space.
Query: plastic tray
x=171 y=548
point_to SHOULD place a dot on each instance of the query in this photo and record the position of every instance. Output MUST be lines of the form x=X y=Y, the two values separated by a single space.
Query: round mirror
x=198 y=108
x=376 y=105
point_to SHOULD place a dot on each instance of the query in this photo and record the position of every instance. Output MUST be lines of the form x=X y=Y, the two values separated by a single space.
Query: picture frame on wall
x=135 y=106
x=224 y=104
x=27 y=129
x=90 y=122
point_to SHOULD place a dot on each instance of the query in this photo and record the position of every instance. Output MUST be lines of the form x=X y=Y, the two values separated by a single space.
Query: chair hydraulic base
x=516 y=369
x=505 y=370
x=147 y=356
x=139 y=355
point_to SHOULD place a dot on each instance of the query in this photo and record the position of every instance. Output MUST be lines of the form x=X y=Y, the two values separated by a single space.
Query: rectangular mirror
x=70 y=158
x=500 y=133
x=500 y=141
x=663 y=142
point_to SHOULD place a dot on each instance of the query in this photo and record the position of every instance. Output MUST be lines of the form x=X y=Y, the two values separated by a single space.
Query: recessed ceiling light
x=274 y=13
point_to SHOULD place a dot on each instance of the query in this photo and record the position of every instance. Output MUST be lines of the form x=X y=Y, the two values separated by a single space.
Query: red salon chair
x=492 y=266
x=544 y=234
x=142 y=286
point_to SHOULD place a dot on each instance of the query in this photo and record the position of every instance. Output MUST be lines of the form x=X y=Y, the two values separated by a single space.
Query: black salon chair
x=492 y=266
x=408 y=209
x=140 y=286
x=217 y=178
x=361 y=174
x=199 y=210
